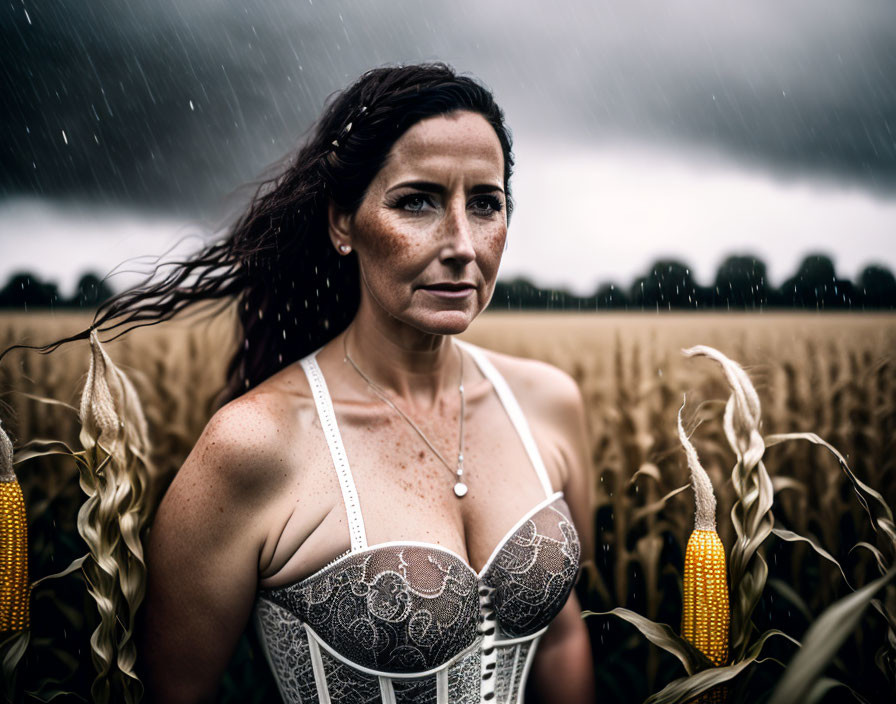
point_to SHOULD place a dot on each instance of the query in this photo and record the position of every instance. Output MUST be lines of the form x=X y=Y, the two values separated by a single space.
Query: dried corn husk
x=115 y=475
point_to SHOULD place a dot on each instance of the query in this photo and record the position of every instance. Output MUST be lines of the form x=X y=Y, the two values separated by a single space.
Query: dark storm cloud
x=796 y=86
x=98 y=94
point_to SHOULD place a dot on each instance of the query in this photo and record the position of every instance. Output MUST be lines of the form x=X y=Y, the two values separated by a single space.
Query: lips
x=450 y=286
x=450 y=290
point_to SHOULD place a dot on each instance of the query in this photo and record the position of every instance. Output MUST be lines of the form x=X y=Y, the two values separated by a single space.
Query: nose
x=458 y=240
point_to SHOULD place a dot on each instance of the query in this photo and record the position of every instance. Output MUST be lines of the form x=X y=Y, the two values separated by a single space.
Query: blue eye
x=413 y=202
x=486 y=205
x=418 y=203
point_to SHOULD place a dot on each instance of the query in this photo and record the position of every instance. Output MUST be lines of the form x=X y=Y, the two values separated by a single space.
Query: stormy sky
x=692 y=129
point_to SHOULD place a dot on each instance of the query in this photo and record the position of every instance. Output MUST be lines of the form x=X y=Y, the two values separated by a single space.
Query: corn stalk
x=751 y=514
x=753 y=522
x=115 y=473
x=704 y=614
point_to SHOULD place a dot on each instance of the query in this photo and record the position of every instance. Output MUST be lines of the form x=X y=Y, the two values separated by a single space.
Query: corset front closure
x=413 y=623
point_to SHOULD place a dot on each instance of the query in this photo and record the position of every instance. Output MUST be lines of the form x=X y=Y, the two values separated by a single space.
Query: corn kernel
x=14 y=586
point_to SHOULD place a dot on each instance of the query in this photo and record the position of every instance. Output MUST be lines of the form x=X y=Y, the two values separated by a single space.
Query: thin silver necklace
x=460 y=489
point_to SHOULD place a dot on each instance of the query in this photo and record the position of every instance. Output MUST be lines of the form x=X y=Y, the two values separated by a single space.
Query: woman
x=402 y=514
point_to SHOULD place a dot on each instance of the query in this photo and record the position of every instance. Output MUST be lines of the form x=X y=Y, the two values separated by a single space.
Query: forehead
x=447 y=145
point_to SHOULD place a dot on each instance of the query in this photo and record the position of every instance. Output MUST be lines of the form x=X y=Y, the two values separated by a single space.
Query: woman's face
x=430 y=231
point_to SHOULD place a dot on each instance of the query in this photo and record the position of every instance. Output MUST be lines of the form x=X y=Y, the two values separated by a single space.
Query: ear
x=339 y=227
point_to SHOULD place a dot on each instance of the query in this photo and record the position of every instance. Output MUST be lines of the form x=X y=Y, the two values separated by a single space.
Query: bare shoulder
x=538 y=385
x=204 y=548
x=241 y=447
x=552 y=402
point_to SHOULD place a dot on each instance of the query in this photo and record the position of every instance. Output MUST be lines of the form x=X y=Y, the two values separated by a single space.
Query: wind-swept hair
x=293 y=292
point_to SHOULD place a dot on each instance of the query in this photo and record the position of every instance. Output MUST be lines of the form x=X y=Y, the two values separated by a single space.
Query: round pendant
x=460 y=489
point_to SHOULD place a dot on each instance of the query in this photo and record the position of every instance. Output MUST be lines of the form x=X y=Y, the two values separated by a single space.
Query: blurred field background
x=831 y=374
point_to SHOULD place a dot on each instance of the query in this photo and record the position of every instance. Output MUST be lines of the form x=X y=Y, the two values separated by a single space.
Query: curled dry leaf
x=116 y=476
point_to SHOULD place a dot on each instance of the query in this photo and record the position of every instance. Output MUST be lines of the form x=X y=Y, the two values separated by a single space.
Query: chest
x=396 y=465
x=411 y=607
x=434 y=589
x=406 y=492
x=401 y=489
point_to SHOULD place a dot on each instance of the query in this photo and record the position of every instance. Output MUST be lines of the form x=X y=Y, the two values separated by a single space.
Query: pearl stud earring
x=344 y=249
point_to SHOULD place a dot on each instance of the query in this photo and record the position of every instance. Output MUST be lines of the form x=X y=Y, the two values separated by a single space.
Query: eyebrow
x=431 y=187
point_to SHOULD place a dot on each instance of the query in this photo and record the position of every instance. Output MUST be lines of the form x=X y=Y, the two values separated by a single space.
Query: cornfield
x=832 y=375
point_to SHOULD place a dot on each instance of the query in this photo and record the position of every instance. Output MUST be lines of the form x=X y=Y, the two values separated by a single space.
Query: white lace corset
x=412 y=622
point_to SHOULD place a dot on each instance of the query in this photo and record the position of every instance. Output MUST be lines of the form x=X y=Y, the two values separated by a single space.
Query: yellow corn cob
x=14 y=586
x=705 y=613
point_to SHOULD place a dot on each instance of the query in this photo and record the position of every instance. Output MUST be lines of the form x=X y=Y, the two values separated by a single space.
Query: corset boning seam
x=515 y=557
x=312 y=635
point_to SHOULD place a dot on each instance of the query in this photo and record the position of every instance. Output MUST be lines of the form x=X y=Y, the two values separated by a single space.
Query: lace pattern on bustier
x=411 y=608
x=463 y=680
x=392 y=609
x=286 y=643
x=413 y=623
x=535 y=570
x=348 y=685
x=509 y=675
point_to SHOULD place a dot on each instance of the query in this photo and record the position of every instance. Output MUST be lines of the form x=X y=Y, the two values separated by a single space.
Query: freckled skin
x=249 y=525
x=453 y=237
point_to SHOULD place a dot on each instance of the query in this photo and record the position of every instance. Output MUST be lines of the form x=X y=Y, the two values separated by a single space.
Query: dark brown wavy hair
x=294 y=292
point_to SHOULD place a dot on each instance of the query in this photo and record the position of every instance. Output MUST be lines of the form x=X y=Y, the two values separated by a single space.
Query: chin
x=444 y=322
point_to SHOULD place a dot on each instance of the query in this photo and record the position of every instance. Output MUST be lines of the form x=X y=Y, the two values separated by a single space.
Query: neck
x=418 y=367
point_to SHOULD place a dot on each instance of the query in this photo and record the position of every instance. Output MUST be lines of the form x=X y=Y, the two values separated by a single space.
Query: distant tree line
x=740 y=284
x=25 y=291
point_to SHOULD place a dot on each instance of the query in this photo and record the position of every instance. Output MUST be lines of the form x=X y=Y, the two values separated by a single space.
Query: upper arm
x=202 y=555
x=577 y=486
x=563 y=667
x=561 y=409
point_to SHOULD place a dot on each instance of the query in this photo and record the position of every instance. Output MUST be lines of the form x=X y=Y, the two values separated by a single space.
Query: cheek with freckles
x=384 y=239
x=386 y=250
x=491 y=252
x=397 y=255
x=391 y=259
